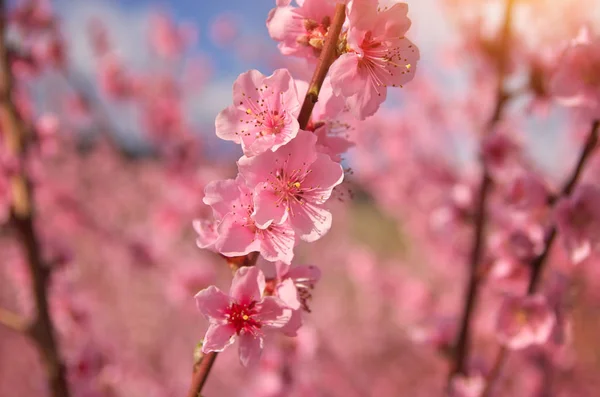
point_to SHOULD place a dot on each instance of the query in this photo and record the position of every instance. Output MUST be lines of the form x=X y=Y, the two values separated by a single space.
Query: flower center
x=288 y=185
x=315 y=33
x=240 y=316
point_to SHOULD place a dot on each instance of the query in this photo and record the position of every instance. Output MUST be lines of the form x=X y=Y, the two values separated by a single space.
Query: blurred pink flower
x=263 y=116
x=169 y=40
x=295 y=284
x=525 y=321
x=576 y=81
x=224 y=29
x=243 y=314
x=578 y=221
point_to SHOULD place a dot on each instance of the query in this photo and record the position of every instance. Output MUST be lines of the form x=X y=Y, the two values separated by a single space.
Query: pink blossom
x=578 y=221
x=263 y=116
x=243 y=314
x=168 y=39
x=526 y=191
x=576 y=82
x=114 y=80
x=377 y=56
x=293 y=183
x=295 y=284
x=525 y=321
x=224 y=29
x=301 y=31
x=237 y=233
x=468 y=386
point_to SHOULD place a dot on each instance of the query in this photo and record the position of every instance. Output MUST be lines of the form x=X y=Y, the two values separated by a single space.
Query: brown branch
x=202 y=369
x=461 y=349
x=328 y=55
x=17 y=138
x=538 y=263
x=13 y=321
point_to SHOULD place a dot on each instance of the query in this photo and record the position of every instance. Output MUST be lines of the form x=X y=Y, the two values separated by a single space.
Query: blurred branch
x=205 y=362
x=538 y=263
x=17 y=136
x=13 y=321
x=461 y=350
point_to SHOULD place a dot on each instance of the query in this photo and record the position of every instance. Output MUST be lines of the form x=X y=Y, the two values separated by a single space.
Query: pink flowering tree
x=398 y=217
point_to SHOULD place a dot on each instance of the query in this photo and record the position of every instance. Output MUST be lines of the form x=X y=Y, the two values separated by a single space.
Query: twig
x=328 y=55
x=538 y=263
x=201 y=371
x=461 y=350
x=17 y=136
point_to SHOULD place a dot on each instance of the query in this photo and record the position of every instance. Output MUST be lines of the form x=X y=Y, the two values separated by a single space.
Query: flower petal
x=273 y=313
x=250 y=349
x=248 y=284
x=212 y=303
x=218 y=337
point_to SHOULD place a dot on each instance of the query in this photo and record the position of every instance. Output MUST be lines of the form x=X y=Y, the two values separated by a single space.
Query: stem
x=461 y=350
x=538 y=263
x=328 y=55
x=201 y=371
x=462 y=345
x=17 y=136
x=495 y=372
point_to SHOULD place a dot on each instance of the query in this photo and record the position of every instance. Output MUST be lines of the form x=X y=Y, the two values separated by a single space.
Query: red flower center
x=241 y=317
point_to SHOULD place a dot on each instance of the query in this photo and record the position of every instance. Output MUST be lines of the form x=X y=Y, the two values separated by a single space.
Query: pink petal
x=311 y=221
x=250 y=349
x=327 y=175
x=235 y=238
x=287 y=292
x=226 y=124
x=273 y=313
x=207 y=233
x=267 y=209
x=222 y=196
x=304 y=273
x=346 y=78
x=293 y=325
x=248 y=284
x=277 y=243
x=281 y=268
x=218 y=337
x=212 y=303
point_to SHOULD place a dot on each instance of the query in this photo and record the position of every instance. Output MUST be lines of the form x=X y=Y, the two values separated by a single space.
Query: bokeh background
x=132 y=145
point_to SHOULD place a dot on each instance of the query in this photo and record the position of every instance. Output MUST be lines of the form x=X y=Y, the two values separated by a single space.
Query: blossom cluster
x=289 y=172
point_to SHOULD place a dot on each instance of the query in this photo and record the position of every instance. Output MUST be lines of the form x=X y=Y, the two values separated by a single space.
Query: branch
x=538 y=263
x=461 y=350
x=328 y=55
x=202 y=369
x=17 y=138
